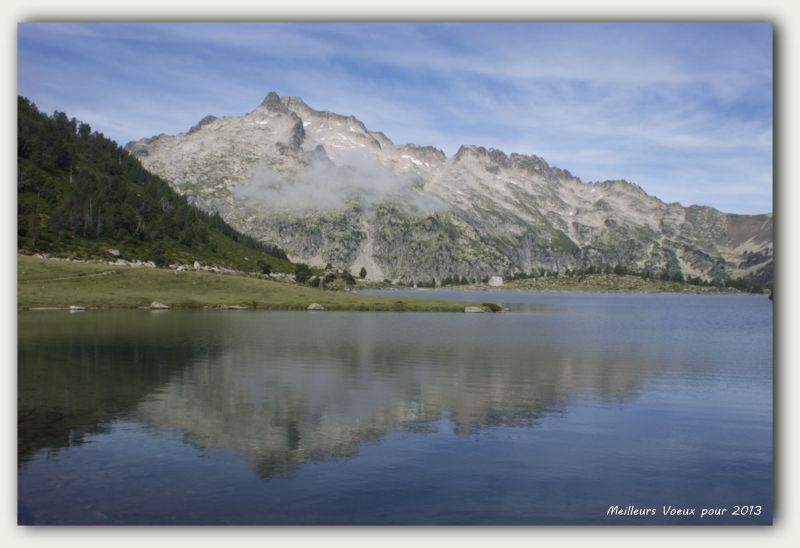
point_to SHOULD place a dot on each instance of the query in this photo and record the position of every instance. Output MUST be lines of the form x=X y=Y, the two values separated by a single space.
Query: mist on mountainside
x=326 y=185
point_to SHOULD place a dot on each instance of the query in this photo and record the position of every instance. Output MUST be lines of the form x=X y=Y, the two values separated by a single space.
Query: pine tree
x=302 y=273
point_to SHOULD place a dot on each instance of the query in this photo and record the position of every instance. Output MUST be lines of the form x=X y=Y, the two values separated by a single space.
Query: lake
x=554 y=412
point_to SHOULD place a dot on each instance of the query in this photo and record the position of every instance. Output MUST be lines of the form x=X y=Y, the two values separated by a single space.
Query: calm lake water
x=548 y=414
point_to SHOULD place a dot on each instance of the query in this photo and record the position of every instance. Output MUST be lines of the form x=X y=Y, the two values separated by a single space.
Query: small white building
x=495 y=281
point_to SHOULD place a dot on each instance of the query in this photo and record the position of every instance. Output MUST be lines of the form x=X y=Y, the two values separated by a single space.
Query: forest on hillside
x=79 y=193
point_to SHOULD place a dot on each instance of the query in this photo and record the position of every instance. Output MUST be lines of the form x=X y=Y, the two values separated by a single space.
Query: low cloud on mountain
x=326 y=185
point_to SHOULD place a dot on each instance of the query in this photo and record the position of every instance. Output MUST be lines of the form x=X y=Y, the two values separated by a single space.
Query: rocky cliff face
x=328 y=190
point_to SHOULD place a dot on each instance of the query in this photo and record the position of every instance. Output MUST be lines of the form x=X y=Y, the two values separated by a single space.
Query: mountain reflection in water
x=547 y=414
x=287 y=388
x=301 y=401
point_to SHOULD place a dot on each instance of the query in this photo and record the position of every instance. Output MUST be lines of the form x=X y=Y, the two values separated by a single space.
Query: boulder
x=315 y=306
x=495 y=281
x=474 y=310
x=155 y=305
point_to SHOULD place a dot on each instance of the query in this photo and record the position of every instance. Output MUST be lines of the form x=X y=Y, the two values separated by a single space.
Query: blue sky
x=682 y=109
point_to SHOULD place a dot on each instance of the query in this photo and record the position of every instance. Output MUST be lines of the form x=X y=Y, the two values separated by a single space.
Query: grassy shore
x=590 y=283
x=609 y=283
x=51 y=283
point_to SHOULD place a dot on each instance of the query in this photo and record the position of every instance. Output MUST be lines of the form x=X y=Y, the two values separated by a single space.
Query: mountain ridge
x=411 y=213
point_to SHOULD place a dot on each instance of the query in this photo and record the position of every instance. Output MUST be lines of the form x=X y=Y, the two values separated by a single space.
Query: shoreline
x=606 y=284
x=570 y=291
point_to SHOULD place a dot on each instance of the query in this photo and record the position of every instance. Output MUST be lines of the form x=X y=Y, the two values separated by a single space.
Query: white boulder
x=495 y=281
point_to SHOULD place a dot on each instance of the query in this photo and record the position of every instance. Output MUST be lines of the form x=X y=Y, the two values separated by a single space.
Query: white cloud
x=327 y=185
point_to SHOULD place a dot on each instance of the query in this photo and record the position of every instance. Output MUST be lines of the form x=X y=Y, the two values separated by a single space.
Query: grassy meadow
x=45 y=283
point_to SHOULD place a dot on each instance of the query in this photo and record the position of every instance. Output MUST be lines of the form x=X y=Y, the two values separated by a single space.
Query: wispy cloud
x=684 y=109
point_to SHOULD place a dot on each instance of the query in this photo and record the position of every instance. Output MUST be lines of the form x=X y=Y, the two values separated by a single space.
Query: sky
x=682 y=109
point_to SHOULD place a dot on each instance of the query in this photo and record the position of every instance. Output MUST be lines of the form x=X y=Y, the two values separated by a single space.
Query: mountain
x=80 y=194
x=328 y=190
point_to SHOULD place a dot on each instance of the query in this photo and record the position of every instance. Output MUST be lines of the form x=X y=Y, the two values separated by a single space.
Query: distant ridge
x=328 y=190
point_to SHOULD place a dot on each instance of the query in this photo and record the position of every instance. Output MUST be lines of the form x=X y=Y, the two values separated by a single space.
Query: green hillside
x=80 y=195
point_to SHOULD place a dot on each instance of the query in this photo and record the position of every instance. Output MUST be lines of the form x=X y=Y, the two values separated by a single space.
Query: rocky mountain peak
x=205 y=121
x=427 y=154
x=492 y=155
x=465 y=151
x=296 y=104
x=273 y=102
x=498 y=157
x=382 y=139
